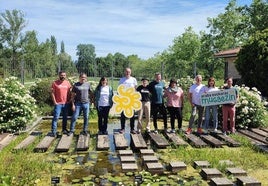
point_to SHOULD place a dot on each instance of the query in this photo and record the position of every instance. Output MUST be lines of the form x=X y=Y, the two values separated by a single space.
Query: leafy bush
x=250 y=111
x=41 y=92
x=17 y=107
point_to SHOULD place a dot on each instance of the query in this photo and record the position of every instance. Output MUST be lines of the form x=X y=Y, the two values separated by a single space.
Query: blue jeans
x=56 y=114
x=78 y=107
x=214 y=109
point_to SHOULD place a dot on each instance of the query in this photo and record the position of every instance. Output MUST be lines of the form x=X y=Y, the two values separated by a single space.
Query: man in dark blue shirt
x=156 y=88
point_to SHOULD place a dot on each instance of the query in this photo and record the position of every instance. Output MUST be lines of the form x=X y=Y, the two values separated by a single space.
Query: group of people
x=156 y=99
x=79 y=96
x=152 y=99
x=228 y=109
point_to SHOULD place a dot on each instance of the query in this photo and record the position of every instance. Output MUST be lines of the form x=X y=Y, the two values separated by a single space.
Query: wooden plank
x=103 y=142
x=127 y=159
x=27 y=141
x=177 y=166
x=129 y=167
x=264 y=129
x=201 y=164
x=214 y=142
x=145 y=152
x=247 y=181
x=208 y=173
x=230 y=141
x=120 y=141
x=148 y=159
x=138 y=142
x=175 y=139
x=5 y=142
x=64 y=143
x=125 y=153
x=3 y=136
x=195 y=141
x=159 y=140
x=44 y=144
x=83 y=142
x=220 y=182
x=155 y=167
x=259 y=132
x=236 y=171
x=253 y=135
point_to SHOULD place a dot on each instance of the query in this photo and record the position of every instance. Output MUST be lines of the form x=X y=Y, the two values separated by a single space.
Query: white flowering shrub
x=250 y=109
x=17 y=107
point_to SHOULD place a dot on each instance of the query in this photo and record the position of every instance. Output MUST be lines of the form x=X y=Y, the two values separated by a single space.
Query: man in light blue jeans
x=81 y=93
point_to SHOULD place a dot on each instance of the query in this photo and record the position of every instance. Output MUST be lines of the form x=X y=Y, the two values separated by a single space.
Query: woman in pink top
x=174 y=95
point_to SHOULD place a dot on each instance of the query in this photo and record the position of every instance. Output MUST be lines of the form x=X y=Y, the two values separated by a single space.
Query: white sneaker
x=156 y=131
x=215 y=130
x=173 y=131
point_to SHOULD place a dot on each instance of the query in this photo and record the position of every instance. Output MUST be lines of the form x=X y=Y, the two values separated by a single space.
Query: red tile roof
x=228 y=53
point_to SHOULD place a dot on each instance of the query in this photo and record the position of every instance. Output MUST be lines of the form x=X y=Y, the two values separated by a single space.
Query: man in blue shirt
x=156 y=88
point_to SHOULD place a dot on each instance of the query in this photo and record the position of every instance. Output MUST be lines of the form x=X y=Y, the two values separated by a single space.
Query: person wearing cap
x=146 y=105
x=156 y=88
x=174 y=95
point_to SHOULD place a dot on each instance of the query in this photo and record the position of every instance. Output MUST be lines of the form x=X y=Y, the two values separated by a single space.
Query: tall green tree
x=181 y=58
x=13 y=24
x=224 y=27
x=31 y=54
x=86 y=59
x=252 y=62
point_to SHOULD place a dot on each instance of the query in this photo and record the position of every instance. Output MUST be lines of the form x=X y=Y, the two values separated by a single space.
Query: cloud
x=126 y=26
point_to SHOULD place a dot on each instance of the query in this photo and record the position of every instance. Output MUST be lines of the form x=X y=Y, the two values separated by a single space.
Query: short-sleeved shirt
x=156 y=89
x=128 y=82
x=81 y=91
x=196 y=91
x=145 y=93
x=174 y=97
x=61 y=90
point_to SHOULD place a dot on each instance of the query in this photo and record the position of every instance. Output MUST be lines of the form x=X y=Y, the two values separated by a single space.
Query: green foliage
x=250 y=111
x=41 y=91
x=17 y=107
x=252 y=62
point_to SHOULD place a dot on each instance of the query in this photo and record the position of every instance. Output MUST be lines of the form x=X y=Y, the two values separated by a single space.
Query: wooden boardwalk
x=136 y=142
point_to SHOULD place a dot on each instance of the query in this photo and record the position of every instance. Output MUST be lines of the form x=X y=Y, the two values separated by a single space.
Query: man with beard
x=60 y=93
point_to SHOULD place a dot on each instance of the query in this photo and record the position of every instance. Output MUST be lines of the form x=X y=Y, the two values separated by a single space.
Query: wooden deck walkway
x=135 y=142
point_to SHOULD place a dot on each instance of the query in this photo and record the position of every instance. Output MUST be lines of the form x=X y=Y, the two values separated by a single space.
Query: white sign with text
x=218 y=97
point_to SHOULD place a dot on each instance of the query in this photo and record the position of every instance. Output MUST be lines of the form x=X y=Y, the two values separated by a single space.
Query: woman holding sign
x=212 y=108
x=228 y=110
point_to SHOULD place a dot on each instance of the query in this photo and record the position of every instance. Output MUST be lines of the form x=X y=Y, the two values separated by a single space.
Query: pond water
x=92 y=166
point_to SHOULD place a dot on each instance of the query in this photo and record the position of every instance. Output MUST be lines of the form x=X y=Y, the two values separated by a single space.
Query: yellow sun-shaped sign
x=127 y=101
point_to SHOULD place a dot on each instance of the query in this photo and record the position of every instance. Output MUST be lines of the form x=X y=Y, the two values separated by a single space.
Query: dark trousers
x=159 y=108
x=175 y=112
x=123 y=121
x=103 y=113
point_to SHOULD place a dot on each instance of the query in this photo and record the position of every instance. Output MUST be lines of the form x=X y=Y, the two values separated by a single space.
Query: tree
x=252 y=61
x=86 y=59
x=181 y=57
x=255 y=17
x=224 y=29
x=13 y=26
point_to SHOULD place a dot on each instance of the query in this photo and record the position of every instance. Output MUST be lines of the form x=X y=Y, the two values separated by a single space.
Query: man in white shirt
x=128 y=81
x=194 y=95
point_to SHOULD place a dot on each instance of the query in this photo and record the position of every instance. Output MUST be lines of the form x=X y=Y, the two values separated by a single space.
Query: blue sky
x=142 y=27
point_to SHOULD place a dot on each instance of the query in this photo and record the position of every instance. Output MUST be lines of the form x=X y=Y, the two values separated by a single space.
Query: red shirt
x=61 y=90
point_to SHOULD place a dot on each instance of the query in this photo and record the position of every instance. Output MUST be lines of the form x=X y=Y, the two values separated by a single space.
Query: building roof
x=228 y=53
